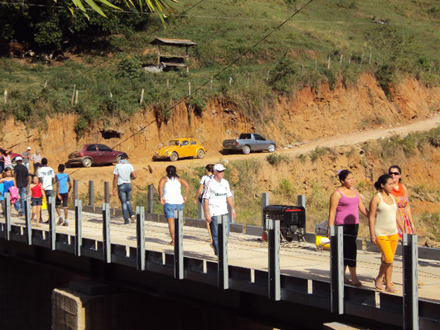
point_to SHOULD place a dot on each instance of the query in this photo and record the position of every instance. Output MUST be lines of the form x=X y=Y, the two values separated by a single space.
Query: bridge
x=280 y=283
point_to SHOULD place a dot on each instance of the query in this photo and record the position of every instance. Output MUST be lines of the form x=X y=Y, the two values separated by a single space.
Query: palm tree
x=158 y=6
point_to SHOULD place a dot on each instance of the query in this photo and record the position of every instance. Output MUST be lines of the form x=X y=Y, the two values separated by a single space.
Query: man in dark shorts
x=21 y=181
x=63 y=193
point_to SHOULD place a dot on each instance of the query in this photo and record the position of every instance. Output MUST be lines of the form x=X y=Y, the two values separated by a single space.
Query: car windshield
x=173 y=143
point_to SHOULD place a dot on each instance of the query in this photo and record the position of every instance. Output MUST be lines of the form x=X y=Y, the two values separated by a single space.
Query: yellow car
x=180 y=148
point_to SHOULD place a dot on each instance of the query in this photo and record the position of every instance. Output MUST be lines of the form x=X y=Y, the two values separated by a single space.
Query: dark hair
x=381 y=181
x=44 y=161
x=210 y=168
x=61 y=168
x=34 y=176
x=171 y=172
x=343 y=175
x=398 y=168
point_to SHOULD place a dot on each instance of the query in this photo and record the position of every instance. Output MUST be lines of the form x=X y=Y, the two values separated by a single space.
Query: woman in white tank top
x=383 y=230
x=171 y=196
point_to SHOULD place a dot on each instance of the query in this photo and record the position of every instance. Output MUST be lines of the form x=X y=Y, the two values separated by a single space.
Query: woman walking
x=171 y=197
x=10 y=187
x=399 y=193
x=344 y=206
x=203 y=184
x=37 y=193
x=383 y=229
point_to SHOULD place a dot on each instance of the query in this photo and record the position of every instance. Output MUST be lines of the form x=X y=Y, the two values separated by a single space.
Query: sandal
x=385 y=282
x=391 y=290
x=348 y=282
x=378 y=286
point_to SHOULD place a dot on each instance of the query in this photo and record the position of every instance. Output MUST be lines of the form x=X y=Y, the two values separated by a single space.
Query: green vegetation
x=276 y=159
x=327 y=42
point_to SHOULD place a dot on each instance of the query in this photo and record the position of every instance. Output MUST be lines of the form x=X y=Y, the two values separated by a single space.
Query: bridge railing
x=404 y=311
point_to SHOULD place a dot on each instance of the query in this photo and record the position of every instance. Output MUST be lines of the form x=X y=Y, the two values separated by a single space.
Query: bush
x=276 y=159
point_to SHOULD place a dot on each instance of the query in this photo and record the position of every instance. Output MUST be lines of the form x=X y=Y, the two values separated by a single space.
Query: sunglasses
x=220 y=171
x=394 y=173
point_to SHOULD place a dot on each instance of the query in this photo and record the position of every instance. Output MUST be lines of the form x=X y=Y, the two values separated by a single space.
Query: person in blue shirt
x=64 y=186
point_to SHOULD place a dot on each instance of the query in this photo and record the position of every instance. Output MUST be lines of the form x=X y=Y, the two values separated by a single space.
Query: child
x=37 y=193
x=62 y=193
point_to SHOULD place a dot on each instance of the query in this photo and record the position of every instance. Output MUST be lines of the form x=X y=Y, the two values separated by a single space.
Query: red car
x=96 y=154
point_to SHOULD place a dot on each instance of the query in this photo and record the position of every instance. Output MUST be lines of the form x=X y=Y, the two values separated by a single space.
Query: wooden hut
x=172 y=60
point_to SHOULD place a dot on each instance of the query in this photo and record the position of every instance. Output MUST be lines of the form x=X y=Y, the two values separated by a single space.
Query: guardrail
x=407 y=312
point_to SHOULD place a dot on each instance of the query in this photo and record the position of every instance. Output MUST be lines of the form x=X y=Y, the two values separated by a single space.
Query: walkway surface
x=296 y=259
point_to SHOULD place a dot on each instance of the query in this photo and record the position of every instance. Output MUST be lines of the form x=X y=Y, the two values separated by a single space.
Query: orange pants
x=387 y=245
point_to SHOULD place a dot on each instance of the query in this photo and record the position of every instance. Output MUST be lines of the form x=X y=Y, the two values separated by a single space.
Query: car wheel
x=246 y=150
x=87 y=162
x=174 y=156
x=271 y=148
x=200 y=154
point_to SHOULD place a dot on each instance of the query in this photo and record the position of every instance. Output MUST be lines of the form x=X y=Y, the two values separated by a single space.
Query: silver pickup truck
x=248 y=142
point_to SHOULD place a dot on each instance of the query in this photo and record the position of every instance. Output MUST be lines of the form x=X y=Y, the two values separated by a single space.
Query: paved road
x=296 y=259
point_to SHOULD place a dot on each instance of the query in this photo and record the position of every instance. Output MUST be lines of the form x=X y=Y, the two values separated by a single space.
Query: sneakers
x=126 y=223
x=60 y=221
x=65 y=224
x=132 y=218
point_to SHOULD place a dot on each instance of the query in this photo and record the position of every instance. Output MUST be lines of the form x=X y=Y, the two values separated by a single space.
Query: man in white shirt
x=122 y=176
x=47 y=179
x=216 y=198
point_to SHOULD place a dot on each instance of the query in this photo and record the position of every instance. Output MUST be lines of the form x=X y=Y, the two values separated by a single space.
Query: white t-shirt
x=46 y=174
x=172 y=191
x=124 y=173
x=216 y=193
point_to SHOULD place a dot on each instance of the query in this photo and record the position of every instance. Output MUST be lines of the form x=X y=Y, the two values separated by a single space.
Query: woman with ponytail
x=345 y=205
x=171 y=197
x=383 y=230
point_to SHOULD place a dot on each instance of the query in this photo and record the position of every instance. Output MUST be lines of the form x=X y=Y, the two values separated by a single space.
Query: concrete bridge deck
x=300 y=260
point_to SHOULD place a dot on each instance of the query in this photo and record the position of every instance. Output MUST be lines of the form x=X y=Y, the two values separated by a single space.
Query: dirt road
x=104 y=173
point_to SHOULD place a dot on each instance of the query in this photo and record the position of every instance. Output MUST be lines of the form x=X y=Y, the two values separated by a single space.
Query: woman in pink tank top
x=345 y=205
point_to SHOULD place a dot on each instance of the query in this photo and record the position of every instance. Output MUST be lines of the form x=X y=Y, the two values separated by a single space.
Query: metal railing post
x=150 y=199
x=200 y=213
x=178 y=245
x=301 y=200
x=264 y=203
x=222 y=239
x=410 y=283
x=140 y=235
x=274 y=279
x=28 y=212
x=91 y=193
x=7 y=210
x=75 y=189
x=107 y=257
x=78 y=227
x=106 y=192
x=230 y=210
x=52 y=233
x=336 y=270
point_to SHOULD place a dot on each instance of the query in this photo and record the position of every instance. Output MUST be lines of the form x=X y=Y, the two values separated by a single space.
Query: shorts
x=387 y=245
x=168 y=210
x=63 y=199
x=37 y=201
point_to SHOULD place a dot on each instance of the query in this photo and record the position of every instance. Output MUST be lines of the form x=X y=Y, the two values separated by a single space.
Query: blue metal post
x=106 y=232
x=7 y=210
x=78 y=227
x=140 y=235
x=410 y=283
x=178 y=245
x=52 y=217
x=274 y=278
x=223 y=267
x=336 y=270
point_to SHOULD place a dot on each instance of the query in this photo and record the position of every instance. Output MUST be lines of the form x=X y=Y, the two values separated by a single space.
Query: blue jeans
x=22 y=194
x=124 y=193
x=214 y=231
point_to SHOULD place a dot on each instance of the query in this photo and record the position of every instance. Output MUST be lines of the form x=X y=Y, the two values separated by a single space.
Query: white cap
x=18 y=158
x=219 y=167
x=29 y=148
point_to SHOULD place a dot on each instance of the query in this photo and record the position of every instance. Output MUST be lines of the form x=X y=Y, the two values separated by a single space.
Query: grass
x=294 y=56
